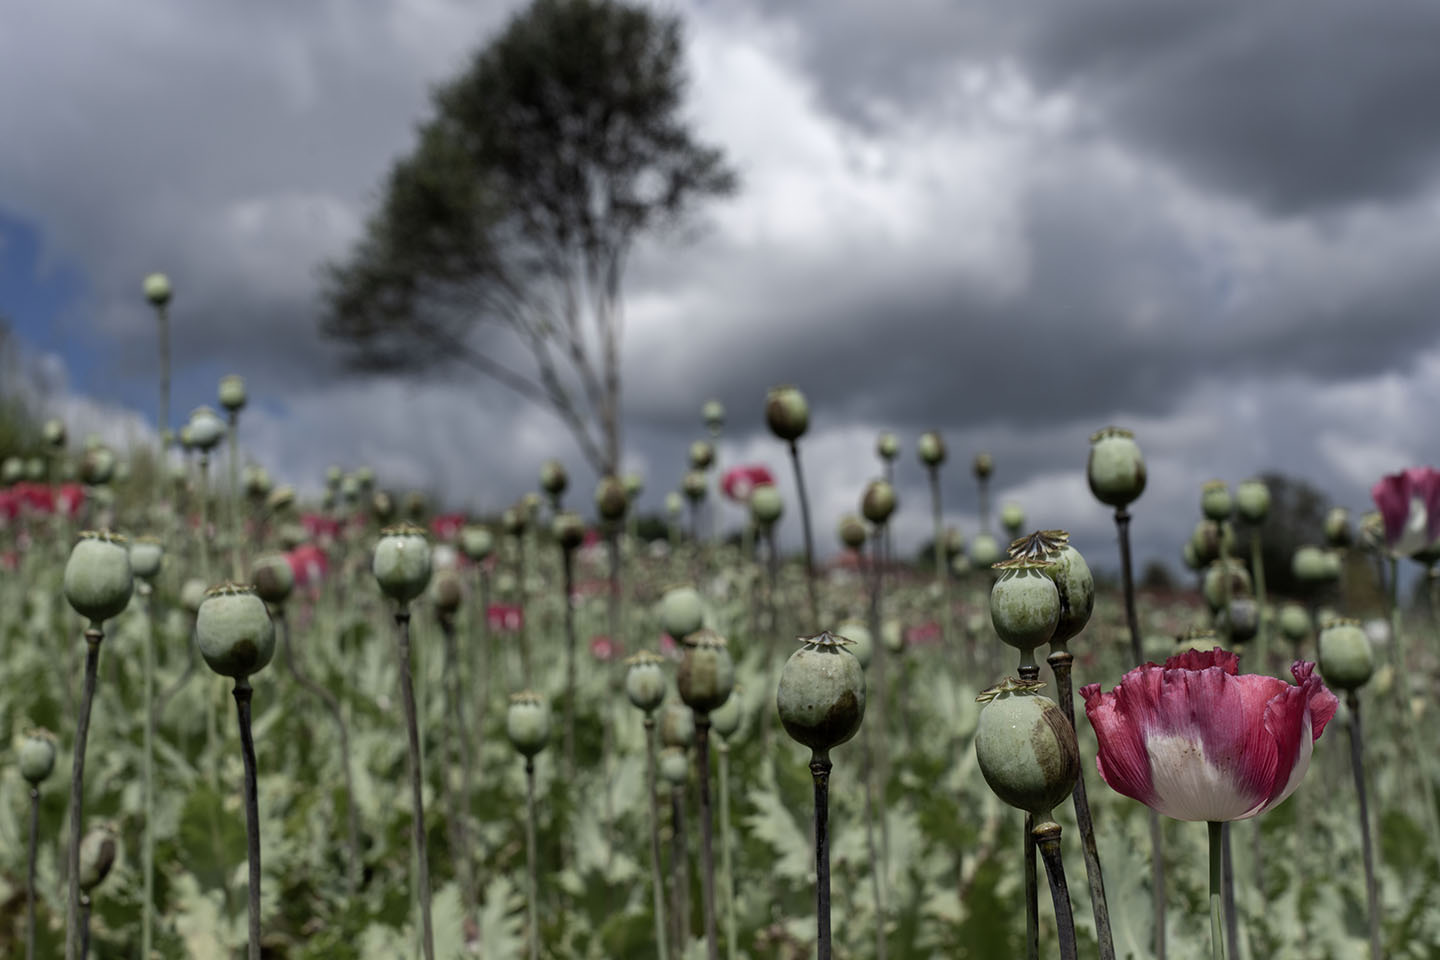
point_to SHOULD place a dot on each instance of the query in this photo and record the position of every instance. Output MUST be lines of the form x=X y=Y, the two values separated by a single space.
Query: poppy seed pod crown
x=232 y=393
x=157 y=289
x=702 y=455
x=234 y=631
x=931 y=448
x=821 y=695
x=707 y=672
x=878 y=502
x=98 y=580
x=1215 y=501
x=402 y=562
x=1115 y=469
x=553 y=478
x=713 y=414
x=527 y=723
x=786 y=412
x=611 y=500
x=887 y=446
x=645 y=680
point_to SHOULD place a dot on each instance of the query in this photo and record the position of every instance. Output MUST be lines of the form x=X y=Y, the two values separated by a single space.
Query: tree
x=545 y=161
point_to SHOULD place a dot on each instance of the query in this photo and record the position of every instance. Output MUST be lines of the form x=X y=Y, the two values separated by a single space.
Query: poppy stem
x=1257 y=573
x=662 y=939
x=1357 y=767
x=1060 y=661
x=30 y=875
x=243 y=693
x=809 y=539
x=1047 y=837
x=524 y=637
x=532 y=883
x=880 y=660
x=679 y=869
x=93 y=637
x=147 y=852
x=1232 y=922
x=84 y=926
x=727 y=875
x=1032 y=893
x=412 y=725
x=1217 y=939
x=942 y=579
x=707 y=855
x=461 y=754
x=567 y=563
x=820 y=772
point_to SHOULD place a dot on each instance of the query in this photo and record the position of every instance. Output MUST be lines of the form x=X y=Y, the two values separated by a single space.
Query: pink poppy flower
x=447 y=526
x=309 y=564
x=503 y=616
x=1197 y=740
x=739 y=482
x=1409 y=504
x=69 y=498
x=602 y=648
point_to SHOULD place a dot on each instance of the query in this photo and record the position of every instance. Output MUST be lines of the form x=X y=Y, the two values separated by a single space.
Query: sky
x=1215 y=224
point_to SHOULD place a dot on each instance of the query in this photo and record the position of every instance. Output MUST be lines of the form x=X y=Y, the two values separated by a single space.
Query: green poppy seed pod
x=1205 y=538
x=677 y=725
x=273 y=578
x=256 y=481
x=1252 y=501
x=54 y=433
x=984 y=551
x=382 y=505
x=1337 y=528
x=645 y=680
x=821 y=697
x=206 y=428
x=983 y=466
x=1215 y=501
x=1346 y=658
x=959 y=564
x=1189 y=556
x=292 y=535
x=447 y=593
x=97 y=466
x=1116 y=469
x=157 y=289
x=852 y=531
x=713 y=415
x=12 y=471
x=232 y=393
x=1027 y=750
x=365 y=476
x=766 y=506
x=887 y=446
x=530 y=503
x=674 y=503
x=281 y=498
x=702 y=455
x=333 y=473
x=634 y=485
x=674 y=766
x=862 y=644
x=787 y=413
x=892 y=635
x=553 y=478
x=1294 y=622
x=349 y=489
x=1024 y=604
x=568 y=529
x=1309 y=565
x=695 y=485
x=707 y=673
x=611 y=500
x=878 y=502
x=681 y=612
x=512 y=521
x=97 y=856
x=37 y=756
x=192 y=595
x=234 y=631
x=725 y=719
x=1240 y=620
x=98 y=580
x=1214 y=587
x=931 y=448
x=146 y=556
x=954 y=543
x=476 y=542
x=402 y=562
x=1012 y=518
x=35 y=470
x=527 y=723
x=1076 y=587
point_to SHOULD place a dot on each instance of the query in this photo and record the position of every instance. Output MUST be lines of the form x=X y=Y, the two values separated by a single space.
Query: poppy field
x=240 y=722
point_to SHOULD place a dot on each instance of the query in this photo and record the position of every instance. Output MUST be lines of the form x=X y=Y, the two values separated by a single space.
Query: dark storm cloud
x=1295 y=107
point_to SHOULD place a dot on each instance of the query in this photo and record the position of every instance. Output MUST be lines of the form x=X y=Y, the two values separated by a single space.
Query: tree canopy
x=560 y=145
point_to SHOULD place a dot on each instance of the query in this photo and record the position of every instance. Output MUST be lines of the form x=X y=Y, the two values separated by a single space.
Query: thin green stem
x=524 y=637
x=567 y=563
x=243 y=693
x=879 y=661
x=1257 y=573
x=84 y=926
x=30 y=873
x=1032 y=893
x=877 y=887
x=461 y=755
x=93 y=637
x=147 y=854
x=1047 y=838
x=809 y=538
x=417 y=800
x=707 y=857
x=679 y=868
x=532 y=883
x=942 y=577
x=662 y=939
x=1407 y=718
x=820 y=772
x=727 y=876
x=1217 y=936
x=236 y=554
x=1357 y=767
x=1232 y=921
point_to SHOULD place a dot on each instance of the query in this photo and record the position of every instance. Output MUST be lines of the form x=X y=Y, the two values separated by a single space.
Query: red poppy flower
x=602 y=648
x=309 y=564
x=70 y=498
x=1409 y=504
x=739 y=482
x=447 y=526
x=504 y=616
x=1197 y=740
x=319 y=525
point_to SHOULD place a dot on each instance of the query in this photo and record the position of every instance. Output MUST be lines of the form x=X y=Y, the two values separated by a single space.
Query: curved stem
x=1227 y=879
x=662 y=939
x=461 y=756
x=1217 y=940
x=93 y=637
x=417 y=800
x=1047 y=836
x=727 y=876
x=820 y=773
x=707 y=857
x=1060 y=662
x=1032 y=893
x=567 y=563
x=532 y=884
x=809 y=539
x=30 y=874
x=147 y=853
x=243 y=694
x=1357 y=767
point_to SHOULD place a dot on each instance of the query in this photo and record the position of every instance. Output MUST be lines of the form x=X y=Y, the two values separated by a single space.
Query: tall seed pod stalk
x=932 y=456
x=158 y=292
x=527 y=724
x=725 y=721
x=37 y=762
x=97 y=584
x=788 y=416
x=645 y=687
x=1357 y=766
x=401 y=566
x=448 y=596
x=877 y=505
